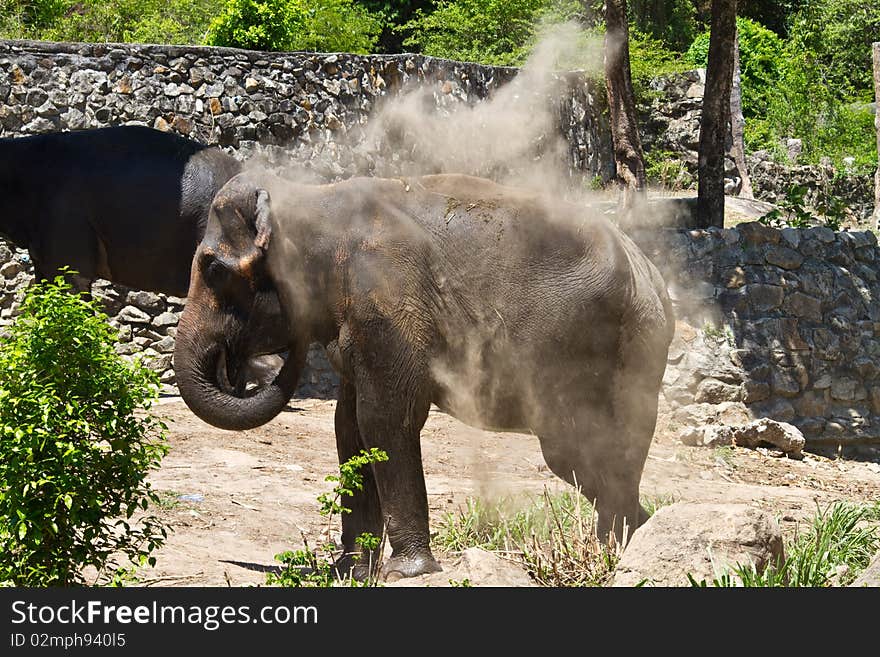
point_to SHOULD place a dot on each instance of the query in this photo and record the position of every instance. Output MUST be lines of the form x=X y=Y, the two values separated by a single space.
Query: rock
x=134 y=315
x=182 y=124
x=870 y=576
x=474 y=567
x=713 y=391
x=718 y=435
x=11 y=269
x=166 y=319
x=764 y=297
x=692 y=436
x=782 y=435
x=165 y=345
x=700 y=540
x=700 y=415
x=803 y=306
x=755 y=391
x=755 y=232
x=778 y=409
x=784 y=257
x=147 y=301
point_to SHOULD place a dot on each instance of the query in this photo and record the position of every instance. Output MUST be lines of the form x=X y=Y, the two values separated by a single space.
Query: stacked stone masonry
x=786 y=322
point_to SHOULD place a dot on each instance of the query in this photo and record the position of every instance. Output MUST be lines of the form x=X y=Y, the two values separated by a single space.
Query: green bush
x=138 y=21
x=650 y=57
x=836 y=36
x=76 y=445
x=801 y=106
x=316 y=26
x=496 y=32
x=309 y=567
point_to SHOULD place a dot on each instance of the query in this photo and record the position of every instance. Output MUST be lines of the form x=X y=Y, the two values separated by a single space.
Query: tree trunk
x=716 y=115
x=737 y=125
x=877 y=126
x=628 y=156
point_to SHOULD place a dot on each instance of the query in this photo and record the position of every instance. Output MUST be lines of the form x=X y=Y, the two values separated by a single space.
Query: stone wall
x=786 y=322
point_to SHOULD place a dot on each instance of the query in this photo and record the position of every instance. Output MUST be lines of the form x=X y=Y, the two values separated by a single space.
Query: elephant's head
x=233 y=314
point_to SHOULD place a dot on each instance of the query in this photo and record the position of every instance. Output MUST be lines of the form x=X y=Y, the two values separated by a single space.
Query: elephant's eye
x=213 y=271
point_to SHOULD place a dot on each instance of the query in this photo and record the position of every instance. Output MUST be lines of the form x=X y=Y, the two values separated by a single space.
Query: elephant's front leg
x=366 y=514
x=391 y=420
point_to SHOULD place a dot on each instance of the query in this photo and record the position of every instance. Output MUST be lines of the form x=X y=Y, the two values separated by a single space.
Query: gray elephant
x=128 y=204
x=510 y=311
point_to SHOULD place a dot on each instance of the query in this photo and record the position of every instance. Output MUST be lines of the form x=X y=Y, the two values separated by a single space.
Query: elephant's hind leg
x=600 y=442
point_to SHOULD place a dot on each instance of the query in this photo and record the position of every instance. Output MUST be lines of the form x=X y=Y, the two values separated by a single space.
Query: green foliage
x=666 y=169
x=674 y=23
x=835 y=36
x=314 y=568
x=316 y=25
x=76 y=445
x=139 y=21
x=348 y=481
x=498 y=32
x=761 y=61
x=650 y=57
x=792 y=211
x=839 y=544
x=553 y=536
x=302 y=568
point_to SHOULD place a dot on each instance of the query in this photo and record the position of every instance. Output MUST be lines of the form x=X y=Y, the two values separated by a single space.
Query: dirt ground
x=235 y=499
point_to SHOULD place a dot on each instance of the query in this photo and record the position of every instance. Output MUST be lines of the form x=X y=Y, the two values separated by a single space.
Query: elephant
x=509 y=310
x=128 y=204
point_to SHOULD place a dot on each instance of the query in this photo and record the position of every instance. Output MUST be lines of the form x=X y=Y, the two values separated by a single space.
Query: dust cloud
x=512 y=137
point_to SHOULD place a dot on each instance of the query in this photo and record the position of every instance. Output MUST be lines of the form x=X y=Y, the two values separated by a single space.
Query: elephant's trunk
x=199 y=365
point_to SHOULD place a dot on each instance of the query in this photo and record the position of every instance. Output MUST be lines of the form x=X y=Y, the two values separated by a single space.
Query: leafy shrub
x=76 y=445
x=139 y=21
x=309 y=567
x=496 y=32
x=318 y=26
x=667 y=169
x=650 y=57
x=836 y=35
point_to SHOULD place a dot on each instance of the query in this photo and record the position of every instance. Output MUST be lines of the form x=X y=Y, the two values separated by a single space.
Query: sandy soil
x=235 y=499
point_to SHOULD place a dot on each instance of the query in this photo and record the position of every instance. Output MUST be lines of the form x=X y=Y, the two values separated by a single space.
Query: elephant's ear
x=261 y=219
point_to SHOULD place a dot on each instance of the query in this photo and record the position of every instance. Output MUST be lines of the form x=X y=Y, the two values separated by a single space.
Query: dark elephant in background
x=127 y=204
x=510 y=311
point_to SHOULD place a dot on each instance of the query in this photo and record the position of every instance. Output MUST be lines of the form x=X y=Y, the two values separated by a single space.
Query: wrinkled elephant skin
x=507 y=310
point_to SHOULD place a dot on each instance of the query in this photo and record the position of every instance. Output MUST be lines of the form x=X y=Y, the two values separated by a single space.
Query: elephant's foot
x=409 y=566
x=357 y=569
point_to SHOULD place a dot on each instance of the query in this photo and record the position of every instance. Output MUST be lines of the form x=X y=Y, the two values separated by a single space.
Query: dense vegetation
x=78 y=442
x=806 y=64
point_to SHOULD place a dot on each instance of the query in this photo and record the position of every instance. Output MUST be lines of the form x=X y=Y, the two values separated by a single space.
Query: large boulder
x=700 y=540
x=782 y=435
